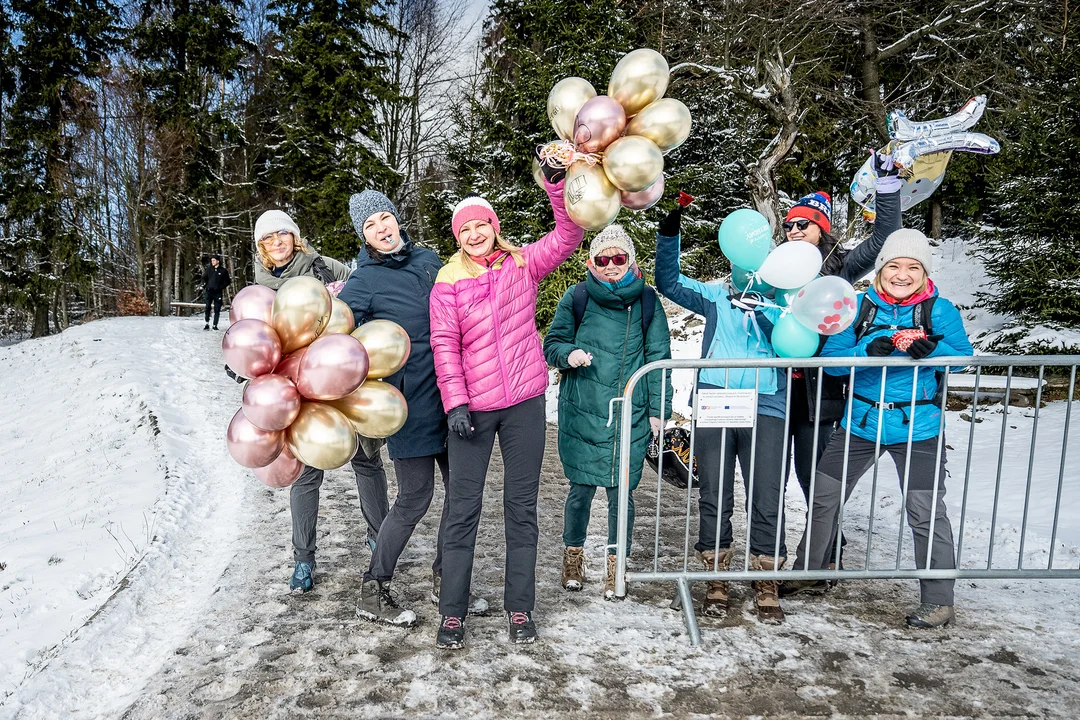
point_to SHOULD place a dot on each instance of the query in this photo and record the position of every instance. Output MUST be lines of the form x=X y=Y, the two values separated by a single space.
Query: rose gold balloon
x=644 y=199
x=599 y=122
x=376 y=409
x=321 y=436
x=250 y=446
x=301 y=311
x=341 y=319
x=332 y=367
x=387 y=345
x=290 y=365
x=251 y=348
x=271 y=402
x=633 y=163
x=254 y=301
x=283 y=472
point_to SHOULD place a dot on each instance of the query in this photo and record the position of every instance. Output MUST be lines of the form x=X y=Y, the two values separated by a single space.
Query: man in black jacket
x=215 y=279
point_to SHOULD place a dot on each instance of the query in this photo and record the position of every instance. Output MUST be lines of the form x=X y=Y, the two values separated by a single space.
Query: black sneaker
x=451 y=633
x=521 y=626
x=206 y=326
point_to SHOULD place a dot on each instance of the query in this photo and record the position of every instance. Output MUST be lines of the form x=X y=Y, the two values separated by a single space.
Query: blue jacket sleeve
x=946 y=321
x=671 y=283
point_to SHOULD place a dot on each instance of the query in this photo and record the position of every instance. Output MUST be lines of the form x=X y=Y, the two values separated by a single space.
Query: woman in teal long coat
x=617 y=326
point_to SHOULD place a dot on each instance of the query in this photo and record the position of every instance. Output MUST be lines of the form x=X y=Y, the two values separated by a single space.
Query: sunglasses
x=792 y=224
x=603 y=260
x=282 y=235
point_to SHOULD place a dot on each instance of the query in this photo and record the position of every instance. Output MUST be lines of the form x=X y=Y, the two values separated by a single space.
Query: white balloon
x=791 y=265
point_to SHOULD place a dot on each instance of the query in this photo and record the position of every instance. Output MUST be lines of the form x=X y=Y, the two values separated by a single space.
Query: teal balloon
x=740 y=278
x=745 y=238
x=791 y=339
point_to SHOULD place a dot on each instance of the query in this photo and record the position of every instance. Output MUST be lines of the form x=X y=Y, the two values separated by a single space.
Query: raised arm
x=860 y=260
x=691 y=294
x=553 y=249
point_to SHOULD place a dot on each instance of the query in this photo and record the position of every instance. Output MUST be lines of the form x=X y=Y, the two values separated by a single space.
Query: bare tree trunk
x=871 y=78
x=935 y=218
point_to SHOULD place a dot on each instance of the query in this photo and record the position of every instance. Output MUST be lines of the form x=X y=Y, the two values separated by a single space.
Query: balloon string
x=561 y=154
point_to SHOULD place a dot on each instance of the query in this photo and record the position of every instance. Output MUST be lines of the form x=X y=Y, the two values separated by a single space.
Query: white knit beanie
x=613 y=236
x=905 y=243
x=273 y=221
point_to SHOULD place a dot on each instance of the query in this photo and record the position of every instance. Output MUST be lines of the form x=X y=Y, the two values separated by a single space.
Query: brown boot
x=716 y=593
x=609 y=583
x=573 y=568
x=766 y=597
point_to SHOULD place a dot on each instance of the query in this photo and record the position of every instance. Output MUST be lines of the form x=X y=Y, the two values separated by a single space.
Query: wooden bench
x=1022 y=390
x=178 y=306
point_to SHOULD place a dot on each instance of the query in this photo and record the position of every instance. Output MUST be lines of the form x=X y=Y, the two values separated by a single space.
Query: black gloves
x=234 y=376
x=669 y=226
x=460 y=422
x=880 y=347
x=922 y=347
x=551 y=174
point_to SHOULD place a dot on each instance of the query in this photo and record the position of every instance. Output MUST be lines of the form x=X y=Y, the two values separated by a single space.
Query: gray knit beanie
x=905 y=243
x=364 y=205
x=613 y=236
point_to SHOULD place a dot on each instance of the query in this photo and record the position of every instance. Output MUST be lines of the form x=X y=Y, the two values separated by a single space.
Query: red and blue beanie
x=473 y=207
x=815 y=207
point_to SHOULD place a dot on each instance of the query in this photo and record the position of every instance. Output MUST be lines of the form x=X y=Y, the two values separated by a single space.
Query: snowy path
x=203 y=627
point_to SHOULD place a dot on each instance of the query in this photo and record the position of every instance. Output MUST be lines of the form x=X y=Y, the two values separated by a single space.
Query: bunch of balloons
x=923 y=150
x=315 y=379
x=613 y=145
x=811 y=306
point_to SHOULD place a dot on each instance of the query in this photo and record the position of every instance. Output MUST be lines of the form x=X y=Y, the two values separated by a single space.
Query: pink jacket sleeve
x=553 y=249
x=446 y=346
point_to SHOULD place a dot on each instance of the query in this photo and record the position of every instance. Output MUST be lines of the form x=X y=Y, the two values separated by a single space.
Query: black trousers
x=801 y=439
x=520 y=429
x=213 y=298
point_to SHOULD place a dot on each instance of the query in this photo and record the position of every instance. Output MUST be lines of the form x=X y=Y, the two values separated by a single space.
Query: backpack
x=648 y=306
x=323 y=273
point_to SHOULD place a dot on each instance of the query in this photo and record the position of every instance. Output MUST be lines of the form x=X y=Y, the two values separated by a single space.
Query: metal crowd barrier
x=684 y=576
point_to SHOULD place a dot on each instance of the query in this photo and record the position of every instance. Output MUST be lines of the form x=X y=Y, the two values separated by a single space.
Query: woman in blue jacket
x=733 y=331
x=902 y=288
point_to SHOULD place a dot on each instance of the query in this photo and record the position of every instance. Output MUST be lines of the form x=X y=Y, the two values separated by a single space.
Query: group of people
x=478 y=370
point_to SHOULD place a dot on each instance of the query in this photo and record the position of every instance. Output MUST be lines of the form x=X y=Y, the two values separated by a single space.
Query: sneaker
x=521 y=626
x=451 y=633
x=206 y=326
x=609 y=581
x=215 y=327
x=766 y=597
x=716 y=592
x=928 y=615
x=378 y=605
x=477 y=605
x=810 y=587
x=573 y=568
x=303 y=577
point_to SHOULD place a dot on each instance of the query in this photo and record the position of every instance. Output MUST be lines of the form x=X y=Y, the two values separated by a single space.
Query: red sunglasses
x=603 y=260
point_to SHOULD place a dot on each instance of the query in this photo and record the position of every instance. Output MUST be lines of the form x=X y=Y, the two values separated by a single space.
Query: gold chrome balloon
x=640 y=78
x=301 y=312
x=537 y=173
x=341 y=319
x=376 y=409
x=387 y=345
x=321 y=436
x=591 y=200
x=633 y=163
x=666 y=122
x=563 y=103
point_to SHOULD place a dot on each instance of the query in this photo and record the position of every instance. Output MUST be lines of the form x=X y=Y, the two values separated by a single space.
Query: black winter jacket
x=215 y=279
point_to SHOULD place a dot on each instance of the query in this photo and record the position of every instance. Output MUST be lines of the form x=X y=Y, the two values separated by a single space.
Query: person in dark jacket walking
x=393 y=281
x=215 y=280
x=282 y=254
x=597 y=353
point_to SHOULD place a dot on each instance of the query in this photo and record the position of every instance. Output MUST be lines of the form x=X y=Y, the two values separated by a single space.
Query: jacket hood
x=395 y=260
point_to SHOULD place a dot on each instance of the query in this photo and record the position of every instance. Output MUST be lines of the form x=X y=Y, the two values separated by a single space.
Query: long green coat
x=611 y=330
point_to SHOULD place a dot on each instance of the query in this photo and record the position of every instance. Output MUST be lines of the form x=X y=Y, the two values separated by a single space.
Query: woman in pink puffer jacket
x=492 y=375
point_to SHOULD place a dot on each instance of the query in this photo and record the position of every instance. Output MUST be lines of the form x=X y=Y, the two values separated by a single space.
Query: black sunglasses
x=801 y=224
x=603 y=260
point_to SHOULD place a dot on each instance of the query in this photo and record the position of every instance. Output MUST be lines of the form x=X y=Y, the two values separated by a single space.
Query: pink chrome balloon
x=250 y=446
x=283 y=472
x=251 y=348
x=599 y=122
x=290 y=365
x=254 y=301
x=332 y=367
x=643 y=199
x=271 y=402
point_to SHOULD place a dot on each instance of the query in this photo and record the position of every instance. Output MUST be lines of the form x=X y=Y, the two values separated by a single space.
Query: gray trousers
x=304 y=500
x=521 y=439
x=920 y=501
x=415 y=488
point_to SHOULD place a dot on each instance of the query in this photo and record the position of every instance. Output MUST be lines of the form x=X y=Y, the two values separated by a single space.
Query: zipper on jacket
x=498 y=338
x=622 y=365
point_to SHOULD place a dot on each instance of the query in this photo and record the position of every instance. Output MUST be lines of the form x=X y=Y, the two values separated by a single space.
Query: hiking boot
x=766 y=597
x=810 y=587
x=378 y=605
x=521 y=626
x=609 y=582
x=451 y=633
x=573 y=568
x=928 y=615
x=716 y=592
x=477 y=605
x=303 y=577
